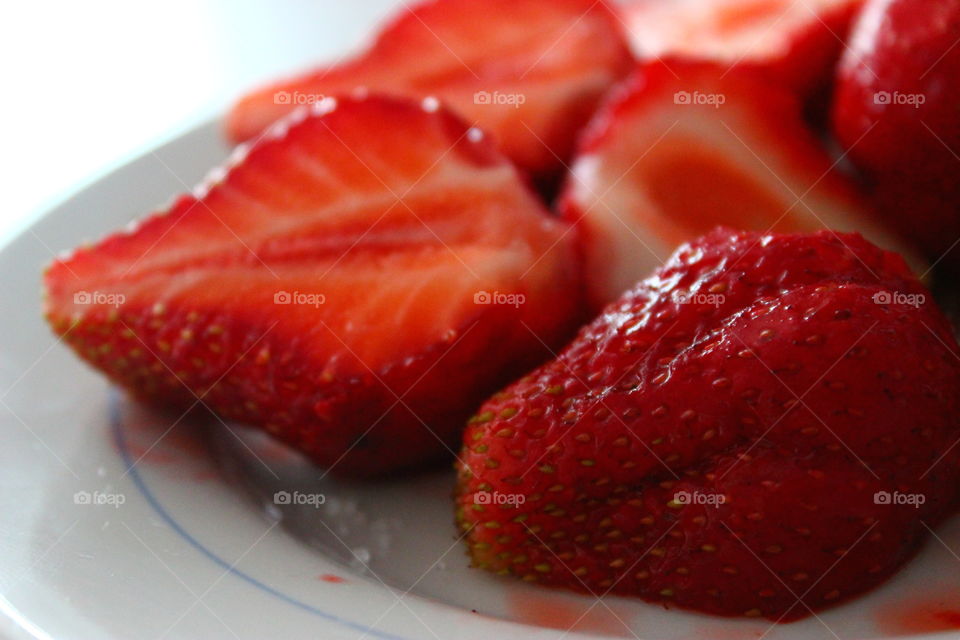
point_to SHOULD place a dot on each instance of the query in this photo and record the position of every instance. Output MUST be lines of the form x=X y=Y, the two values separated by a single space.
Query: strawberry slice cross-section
x=354 y=283
x=683 y=146
x=794 y=42
x=527 y=71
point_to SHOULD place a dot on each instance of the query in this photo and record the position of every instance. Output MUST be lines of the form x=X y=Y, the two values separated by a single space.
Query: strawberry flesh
x=323 y=286
x=794 y=43
x=528 y=72
x=684 y=146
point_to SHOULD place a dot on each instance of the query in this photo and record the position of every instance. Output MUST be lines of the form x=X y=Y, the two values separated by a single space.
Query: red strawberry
x=896 y=113
x=716 y=438
x=328 y=286
x=796 y=43
x=527 y=71
x=684 y=146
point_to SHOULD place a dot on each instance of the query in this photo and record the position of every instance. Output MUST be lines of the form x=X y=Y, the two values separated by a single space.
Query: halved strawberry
x=527 y=71
x=684 y=146
x=355 y=282
x=766 y=426
x=797 y=43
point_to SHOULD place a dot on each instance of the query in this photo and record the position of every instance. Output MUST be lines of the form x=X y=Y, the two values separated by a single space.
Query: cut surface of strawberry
x=684 y=146
x=797 y=43
x=765 y=427
x=354 y=283
x=528 y=72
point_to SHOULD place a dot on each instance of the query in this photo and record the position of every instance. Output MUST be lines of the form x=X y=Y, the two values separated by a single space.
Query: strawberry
x=354 y=283
x=683 y=146
x=527 y=71
x=895 y=112
x=796 y=43
x=764 y=427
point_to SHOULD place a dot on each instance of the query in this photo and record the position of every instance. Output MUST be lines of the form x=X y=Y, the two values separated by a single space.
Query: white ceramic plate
x=121 y=522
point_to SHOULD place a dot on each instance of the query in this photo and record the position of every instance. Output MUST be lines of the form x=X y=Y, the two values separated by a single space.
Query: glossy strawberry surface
x=764 y=427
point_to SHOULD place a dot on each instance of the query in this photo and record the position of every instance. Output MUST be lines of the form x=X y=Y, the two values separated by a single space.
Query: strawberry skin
x=683 y=146
x=527 y=71
x=717 y=437
x=895 y=112
x=794 y=43
x=324 y=286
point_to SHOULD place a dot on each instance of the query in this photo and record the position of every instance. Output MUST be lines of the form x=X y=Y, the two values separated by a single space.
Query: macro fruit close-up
x=528 y=71
x=486 y=319
x=712 y=438
x=794 y=43
x=287 y=261
x=895 y=112
x=684 y=146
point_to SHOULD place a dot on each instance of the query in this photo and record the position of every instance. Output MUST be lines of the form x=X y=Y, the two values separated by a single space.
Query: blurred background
x=107 y=80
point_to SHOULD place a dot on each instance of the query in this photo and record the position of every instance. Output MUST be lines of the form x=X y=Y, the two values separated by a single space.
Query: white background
x=85 y=86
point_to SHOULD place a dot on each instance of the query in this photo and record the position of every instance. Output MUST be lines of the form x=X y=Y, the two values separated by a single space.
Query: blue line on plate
x=116 y=423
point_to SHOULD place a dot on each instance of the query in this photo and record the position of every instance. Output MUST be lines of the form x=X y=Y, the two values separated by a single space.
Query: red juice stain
x=329 y=577
x=566 y=614
x=931 y=612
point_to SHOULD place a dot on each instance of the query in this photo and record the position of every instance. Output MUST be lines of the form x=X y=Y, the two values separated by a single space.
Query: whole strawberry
x=895 y=113
x=763 y=428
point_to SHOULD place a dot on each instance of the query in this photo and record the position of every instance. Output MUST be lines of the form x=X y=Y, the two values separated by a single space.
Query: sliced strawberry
x=329 y=285
x=685 y=146
x=765 y=427
x=796 y=43
x=527 y=71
